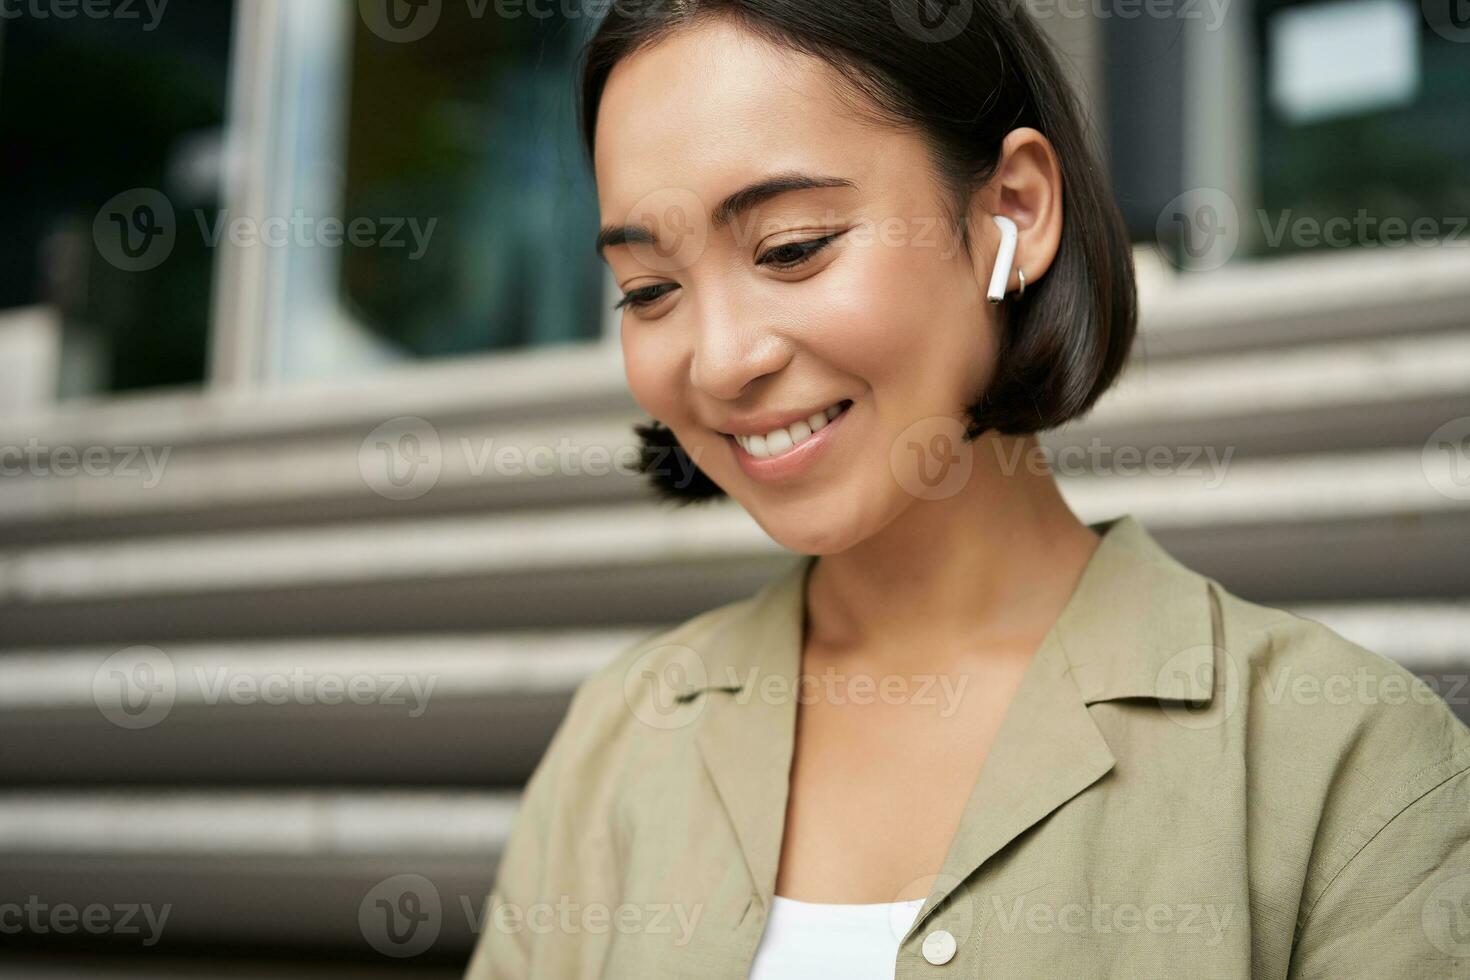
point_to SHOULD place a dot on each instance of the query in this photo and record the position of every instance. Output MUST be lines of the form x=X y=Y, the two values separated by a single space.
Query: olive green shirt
x=1186 y=784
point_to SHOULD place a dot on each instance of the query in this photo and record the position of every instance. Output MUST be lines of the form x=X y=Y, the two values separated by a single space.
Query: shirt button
x=939 y=947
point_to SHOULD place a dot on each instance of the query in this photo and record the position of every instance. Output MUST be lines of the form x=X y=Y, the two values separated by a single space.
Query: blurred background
x=314 y=503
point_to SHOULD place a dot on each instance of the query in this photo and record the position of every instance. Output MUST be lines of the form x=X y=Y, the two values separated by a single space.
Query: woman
x=965 y=732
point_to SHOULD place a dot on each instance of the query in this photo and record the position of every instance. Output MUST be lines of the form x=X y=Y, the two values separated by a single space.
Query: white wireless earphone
x=1003 y=259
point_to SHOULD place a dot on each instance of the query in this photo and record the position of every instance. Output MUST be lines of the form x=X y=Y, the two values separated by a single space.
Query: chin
x=826 y=524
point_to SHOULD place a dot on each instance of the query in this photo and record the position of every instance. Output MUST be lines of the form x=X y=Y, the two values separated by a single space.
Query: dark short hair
x=1066 y=340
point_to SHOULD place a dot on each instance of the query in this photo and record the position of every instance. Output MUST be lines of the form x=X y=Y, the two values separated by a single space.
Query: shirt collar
x=1138 y=625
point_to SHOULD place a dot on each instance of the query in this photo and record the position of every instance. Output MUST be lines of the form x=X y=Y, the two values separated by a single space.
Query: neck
x=991 y=566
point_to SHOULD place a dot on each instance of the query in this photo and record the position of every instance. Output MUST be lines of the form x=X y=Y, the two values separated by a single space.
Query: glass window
x=462 y=174
x=1363 y=118
x=110 y=125
x=1261 y=128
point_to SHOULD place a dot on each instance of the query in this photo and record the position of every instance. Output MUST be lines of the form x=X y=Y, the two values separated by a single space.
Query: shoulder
x=1300 y=673
x=1374 y=767
x=1347 y=733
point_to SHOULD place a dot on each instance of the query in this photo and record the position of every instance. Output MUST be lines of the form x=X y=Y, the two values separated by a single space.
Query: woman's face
x=854 y=294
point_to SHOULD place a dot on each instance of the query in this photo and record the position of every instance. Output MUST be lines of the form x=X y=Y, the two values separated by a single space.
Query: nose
x=731 y=350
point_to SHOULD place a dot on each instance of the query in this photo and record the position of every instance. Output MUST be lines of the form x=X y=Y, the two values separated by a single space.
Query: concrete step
x=1387 y=523
x=473 y=710
x=265 y=871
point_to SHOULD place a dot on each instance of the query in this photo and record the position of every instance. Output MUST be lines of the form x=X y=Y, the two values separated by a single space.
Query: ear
x=1027 y=188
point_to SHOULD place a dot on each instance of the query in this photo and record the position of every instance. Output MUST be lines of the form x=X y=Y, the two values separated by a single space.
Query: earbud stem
x=1001 y=276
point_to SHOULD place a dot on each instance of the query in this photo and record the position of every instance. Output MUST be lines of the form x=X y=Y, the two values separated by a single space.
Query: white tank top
x=812 y=939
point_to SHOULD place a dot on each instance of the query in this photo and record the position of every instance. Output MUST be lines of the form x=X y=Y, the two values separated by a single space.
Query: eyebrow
x=737 y=203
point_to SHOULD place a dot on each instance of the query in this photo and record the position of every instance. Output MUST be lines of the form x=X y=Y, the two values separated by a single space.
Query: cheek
x=909 y=322
x=652 y=370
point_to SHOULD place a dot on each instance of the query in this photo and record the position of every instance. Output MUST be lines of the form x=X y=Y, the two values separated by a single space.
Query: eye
x=645 y=296
x=793 y=254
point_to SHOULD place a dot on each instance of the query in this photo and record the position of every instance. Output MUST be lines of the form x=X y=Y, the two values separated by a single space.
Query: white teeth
x=778 y=441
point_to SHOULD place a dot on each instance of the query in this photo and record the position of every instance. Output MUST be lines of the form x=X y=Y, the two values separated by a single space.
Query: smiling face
x=841 y=286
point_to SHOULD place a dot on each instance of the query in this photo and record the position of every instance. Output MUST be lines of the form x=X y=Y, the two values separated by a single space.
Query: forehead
x=712 y=106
